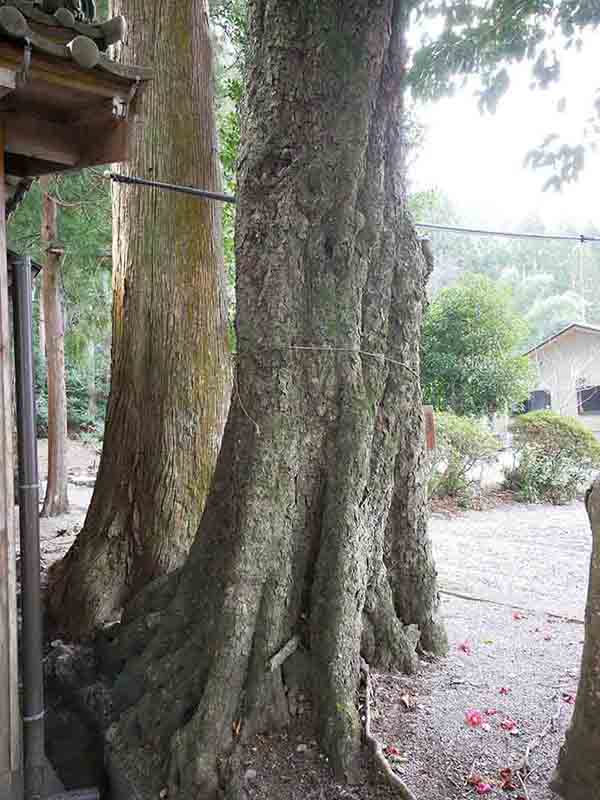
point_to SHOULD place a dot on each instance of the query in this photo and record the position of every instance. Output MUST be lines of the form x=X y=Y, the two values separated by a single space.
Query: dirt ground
x=513 y=581
x=58 y=533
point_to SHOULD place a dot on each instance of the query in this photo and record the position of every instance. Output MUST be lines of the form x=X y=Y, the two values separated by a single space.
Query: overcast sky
x=478 y=159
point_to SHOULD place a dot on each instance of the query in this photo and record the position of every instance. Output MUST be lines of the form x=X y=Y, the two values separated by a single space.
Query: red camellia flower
x=473 y=717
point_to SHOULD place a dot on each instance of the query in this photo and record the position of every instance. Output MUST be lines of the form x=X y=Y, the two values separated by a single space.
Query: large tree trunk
x=171 y=368
x=56 y=500
x=578 y=773
x=331 y=287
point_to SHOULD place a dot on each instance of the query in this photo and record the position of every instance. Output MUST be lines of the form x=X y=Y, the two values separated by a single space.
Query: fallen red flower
x=508 y=724
x=506 y=781
x=504 y=690
x=473 y=717
x=517 y=615
x=465 y=647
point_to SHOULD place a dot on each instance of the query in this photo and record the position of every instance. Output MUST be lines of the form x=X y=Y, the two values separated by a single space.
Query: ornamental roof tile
x=65 y=35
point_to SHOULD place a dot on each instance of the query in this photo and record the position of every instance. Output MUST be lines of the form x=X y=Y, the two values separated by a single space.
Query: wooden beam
x=107 y=144
x=32 y=136
x=24 y=167
x=10 y=720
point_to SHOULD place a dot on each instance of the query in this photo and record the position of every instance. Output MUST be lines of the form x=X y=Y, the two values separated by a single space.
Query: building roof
x=65 y=104
x=63 y=36
x=571 y=326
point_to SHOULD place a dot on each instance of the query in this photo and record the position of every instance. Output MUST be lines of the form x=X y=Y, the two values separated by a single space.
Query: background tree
x=330 y=294
x=170 y=362
x=483 y=39
x=84 y=231
x=56 y=500
x=578 y=773
x=552 y=282
x=470 y=360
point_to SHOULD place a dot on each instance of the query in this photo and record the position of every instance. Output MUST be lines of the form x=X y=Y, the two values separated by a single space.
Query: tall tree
x=56 y=500
x=578 y=773
x=330 y=295
x=170 y=362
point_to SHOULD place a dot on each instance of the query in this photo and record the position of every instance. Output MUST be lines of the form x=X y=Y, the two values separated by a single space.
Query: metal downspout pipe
x=29 y=534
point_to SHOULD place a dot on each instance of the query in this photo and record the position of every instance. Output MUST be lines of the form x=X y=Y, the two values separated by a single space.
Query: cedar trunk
x=326 y=413
x=578 y=773
x=170 y=363
x=56 y=500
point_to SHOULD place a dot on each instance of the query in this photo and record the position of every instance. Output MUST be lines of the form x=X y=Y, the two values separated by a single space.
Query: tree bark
x=42 y=327
x=56 y=500
x=578 y=773
x=171 y=368
x=92 y=393
x=330 y=294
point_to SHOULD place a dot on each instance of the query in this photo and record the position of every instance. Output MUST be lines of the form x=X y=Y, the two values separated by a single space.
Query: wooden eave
x=62 y=110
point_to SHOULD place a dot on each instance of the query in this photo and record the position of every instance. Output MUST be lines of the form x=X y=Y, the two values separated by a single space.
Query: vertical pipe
x=31 y=600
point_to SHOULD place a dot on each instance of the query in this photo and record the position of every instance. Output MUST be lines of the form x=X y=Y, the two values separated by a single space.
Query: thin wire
x=564 y=237
x=229 y=198
x=357 y=351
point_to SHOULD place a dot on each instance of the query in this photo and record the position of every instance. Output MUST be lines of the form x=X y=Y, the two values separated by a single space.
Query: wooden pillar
x=10 y=720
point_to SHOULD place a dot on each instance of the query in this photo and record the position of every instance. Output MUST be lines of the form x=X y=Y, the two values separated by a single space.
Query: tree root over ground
x=375 y=749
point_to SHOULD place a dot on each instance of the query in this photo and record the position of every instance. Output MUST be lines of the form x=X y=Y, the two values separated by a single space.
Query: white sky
x=477 y=160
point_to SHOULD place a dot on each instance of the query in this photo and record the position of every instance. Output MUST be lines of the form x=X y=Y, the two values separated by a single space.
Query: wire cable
x=561 y=237
x=229 y=198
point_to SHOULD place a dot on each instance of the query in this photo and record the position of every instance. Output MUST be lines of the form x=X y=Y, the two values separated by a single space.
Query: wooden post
x=10 y=719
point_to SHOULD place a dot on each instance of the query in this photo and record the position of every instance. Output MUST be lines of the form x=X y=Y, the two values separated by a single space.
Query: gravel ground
x=535 y=557
x=532 y=560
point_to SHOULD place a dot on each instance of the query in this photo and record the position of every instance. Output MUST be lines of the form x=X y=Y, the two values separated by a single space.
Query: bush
x=555 y=456
x=462 y=444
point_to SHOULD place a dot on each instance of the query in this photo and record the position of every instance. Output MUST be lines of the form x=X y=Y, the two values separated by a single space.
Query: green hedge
x=462 y=444
x=555 y=456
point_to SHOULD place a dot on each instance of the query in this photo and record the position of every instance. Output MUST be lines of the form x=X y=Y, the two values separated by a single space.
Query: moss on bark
x=330 y=294
x=171 y=368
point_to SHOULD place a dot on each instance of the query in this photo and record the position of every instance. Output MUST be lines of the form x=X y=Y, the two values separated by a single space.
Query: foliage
x=555 y=455
x=552 y=283
x=481 y=39
x=84 y=229
x=469 y=360
x=462 y=444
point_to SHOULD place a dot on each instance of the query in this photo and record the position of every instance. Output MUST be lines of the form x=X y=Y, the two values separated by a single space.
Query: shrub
x=462 y=444
x=555 y=456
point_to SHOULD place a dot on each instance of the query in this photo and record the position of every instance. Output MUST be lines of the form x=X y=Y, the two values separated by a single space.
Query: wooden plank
x=430 y=441
x=10 y=721
x=32 y=136
x=104 y=144
x=24 y=167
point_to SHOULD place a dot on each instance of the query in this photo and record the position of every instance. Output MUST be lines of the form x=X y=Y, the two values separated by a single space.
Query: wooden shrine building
x=65 y=104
